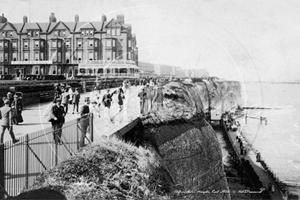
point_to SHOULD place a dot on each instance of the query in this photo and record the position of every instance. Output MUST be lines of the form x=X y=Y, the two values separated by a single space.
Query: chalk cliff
x=185 y=141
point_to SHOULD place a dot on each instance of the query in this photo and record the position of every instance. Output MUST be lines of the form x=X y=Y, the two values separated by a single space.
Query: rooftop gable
x=113 y=23
x=8 y=27
x=44 y=26
x=97 y=25
x=51 y=26
x=30 y=26
x=84 y=25
x=70 y=25
x=18 y=27
x=60 y=26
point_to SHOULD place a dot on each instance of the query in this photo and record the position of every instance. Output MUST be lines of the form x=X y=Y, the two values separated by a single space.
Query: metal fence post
x=27 y=161
x=2 y=171
x=77 y=140
x=92 y=127
x=56 y=153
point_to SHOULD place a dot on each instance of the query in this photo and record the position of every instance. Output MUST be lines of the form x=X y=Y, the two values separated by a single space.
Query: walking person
x=120 y=98
x=17 y=106
x=106 y=100
x=142 y=96
x=95 y=107
x=75 y=100
x=9 y=97
x=57 y=119
x=57 y=92
x=98 y=87
x=6 y=121
x=84 y=120
x=65 y=100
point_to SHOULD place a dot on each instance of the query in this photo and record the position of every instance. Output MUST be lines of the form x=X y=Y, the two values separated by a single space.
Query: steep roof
x=71 y=25
x=80 y=25
x=1 y=24
x=8 y=26
x=44 y=26
x=98 y=25
x=52 y=25
x=30 y=26
x=18 y=27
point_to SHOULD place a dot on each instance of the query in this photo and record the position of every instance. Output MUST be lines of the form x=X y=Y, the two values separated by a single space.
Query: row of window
x=107 y=71
x=37 y=56
x=57 y=56
x=58 y=43
x=62 y=33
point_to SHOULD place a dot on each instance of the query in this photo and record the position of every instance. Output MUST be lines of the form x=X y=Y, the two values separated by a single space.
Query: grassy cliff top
x=108 y=169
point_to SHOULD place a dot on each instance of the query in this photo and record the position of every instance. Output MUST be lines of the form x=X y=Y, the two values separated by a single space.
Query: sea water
x=278 y=140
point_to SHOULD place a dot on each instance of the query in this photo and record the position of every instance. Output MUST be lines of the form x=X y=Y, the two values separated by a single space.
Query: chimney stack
x=76 y=18
x=103 y=18
x=25 y=19
x=120 y=19
x=3 y=19
x=52 y=18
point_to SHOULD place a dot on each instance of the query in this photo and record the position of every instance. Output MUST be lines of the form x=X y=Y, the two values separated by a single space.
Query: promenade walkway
x=258 y=168
x=36 y=116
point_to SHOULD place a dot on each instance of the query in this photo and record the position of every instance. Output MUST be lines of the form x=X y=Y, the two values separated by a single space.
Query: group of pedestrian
x=57 y=119
x=67 y=96
x=147 y=96
x=242 y=145
x=10 y=114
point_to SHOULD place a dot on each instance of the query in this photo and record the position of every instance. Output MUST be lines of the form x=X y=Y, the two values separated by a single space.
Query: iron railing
x=35 y=152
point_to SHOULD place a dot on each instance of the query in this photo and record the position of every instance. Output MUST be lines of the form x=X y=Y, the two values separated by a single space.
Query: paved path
x=36 y=116
x=258 y=168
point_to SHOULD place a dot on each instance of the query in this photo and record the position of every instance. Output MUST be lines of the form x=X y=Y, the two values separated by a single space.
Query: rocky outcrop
x=186 y=142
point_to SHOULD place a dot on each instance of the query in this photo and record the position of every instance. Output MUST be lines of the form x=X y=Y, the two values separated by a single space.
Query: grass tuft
x=108 y=169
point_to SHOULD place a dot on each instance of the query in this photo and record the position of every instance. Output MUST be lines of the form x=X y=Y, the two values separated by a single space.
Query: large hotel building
x=101 y=48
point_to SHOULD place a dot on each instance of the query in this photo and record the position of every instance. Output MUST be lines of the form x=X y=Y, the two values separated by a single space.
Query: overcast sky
x=233 y=39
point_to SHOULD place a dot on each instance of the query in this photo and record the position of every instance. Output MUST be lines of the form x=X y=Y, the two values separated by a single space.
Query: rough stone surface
x=186 y=142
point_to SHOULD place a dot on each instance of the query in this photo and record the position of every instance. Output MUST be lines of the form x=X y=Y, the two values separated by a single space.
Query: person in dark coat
x=107 y=98
x=120 y=98
x=17 y=107
x=6 y=121
x=57 y=91
x=75 y=100
x=142 y=94
x=84 y=120
x=57 y=119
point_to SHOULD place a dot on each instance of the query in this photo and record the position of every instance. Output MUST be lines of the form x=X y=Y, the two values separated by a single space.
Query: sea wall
x=184 y=139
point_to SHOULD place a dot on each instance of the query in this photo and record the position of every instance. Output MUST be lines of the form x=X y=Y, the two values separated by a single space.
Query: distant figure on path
x=57 y=92
x=95 y=107
x=120 y=98
x=9 y=97
x=6 y=121
x=142 y=94
x=75 y=100
x=17 y=105
x=84 y=120
x=106 y=100
x=65 y=100
x=57 y=119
